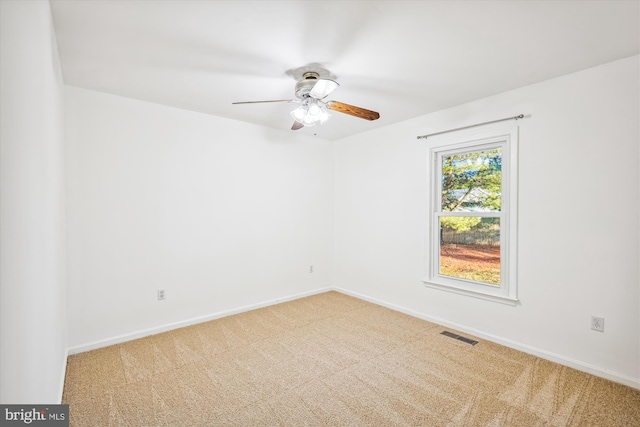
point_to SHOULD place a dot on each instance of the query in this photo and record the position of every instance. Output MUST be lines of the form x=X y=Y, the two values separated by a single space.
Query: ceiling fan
x=310 y=92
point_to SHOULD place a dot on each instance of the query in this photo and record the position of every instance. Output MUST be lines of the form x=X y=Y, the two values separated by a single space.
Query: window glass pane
x=470 y=248
x=472 y=182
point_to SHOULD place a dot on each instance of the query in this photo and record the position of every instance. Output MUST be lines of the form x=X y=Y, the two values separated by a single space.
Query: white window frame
x=500 y=136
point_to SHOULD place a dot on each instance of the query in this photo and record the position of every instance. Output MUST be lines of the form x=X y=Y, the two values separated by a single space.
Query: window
x=473 y=212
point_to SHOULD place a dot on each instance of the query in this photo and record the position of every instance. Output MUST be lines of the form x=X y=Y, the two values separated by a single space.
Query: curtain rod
x=520 y=116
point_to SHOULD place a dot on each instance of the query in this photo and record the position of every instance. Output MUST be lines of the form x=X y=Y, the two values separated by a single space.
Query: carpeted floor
x=332 y=360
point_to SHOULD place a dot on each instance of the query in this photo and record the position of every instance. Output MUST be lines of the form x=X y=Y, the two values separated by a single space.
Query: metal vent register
x=458 y=337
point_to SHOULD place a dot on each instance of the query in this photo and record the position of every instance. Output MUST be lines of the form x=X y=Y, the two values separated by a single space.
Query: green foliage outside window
x=472 y=182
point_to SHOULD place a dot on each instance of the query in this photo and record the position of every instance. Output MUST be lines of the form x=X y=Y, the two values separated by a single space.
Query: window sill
x=489 y=297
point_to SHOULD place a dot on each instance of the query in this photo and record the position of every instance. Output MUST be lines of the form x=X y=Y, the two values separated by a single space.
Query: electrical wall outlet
x=311 y=269
x=161 y=294
x=597 y=323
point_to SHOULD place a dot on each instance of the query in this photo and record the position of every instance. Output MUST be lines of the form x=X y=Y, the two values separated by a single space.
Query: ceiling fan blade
x=322 y=88
x=297 y=125
x=352 y=110
x=262 y=102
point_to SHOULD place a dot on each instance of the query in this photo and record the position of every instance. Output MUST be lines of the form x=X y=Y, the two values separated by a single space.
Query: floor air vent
x=458 y=337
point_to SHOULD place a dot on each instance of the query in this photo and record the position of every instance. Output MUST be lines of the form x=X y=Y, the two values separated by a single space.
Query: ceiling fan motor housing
x=304 y=86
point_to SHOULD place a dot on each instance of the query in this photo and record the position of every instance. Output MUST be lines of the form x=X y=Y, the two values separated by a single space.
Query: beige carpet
x=332 y=360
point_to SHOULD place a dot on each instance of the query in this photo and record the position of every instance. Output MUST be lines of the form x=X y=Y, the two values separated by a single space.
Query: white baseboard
x=192 y=321
x=543 y=354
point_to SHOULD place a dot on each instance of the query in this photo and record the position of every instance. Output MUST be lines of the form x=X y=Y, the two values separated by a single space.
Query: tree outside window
x=470 y=245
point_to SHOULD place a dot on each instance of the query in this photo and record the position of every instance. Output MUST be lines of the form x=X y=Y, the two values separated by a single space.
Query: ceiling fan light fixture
x=310 y=112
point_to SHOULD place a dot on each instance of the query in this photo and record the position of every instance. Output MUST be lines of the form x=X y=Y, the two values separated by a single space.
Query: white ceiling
x=400 y=58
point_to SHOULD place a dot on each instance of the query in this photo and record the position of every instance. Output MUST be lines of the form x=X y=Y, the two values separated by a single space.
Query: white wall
x=578 y=220
x=219 y=213
x=33 y=341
